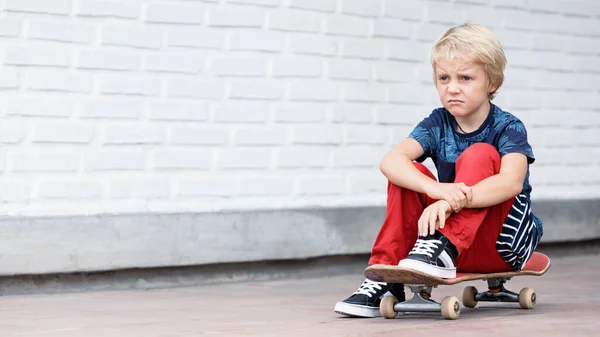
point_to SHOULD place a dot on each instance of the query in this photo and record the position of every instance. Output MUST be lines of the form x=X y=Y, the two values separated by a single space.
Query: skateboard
x=421 y=285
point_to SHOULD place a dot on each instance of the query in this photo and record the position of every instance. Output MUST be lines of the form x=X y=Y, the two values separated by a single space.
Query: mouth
x=454 y=101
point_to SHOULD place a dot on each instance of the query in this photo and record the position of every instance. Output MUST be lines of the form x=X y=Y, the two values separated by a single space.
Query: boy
x=478 y=217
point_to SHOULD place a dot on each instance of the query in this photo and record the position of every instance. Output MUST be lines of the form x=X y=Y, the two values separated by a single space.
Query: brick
x=187 y=63
x=484 y=15
x=347 y=26
x=178 y=111
x=244 y=159
x=580 y=45
x=444 y=13
x=364 y=49
x=267 y=42
x=314 y=91
x=127 y=134
x=510 y=4
x=518 y=20
x=300 y=113
x=199 y=135
x=255 y=90
x=354 y=113
x=145 y=38
x=37 y=56
x=266 y=3
x=15 y=191
x=195 y=38
x=395 y=72
x=430 y=32
x=294 y=21
x=579 y=8
x=63 y=81
x=130 y=85
x=9 y=27
x=260 y=136
x=108 y=60
x=511 y=39
x=109 y=8
x=139 y=188
x=407 y=51
x=354 y=157
x=521 y=58
x=297 y=67
x=408 y=9
x=40 y=107
x=313 y=45
x=9 y=79
x=183 y=159
x=115 y=160
x=44 y=162
x=206 y=89
x=548 y=23
x=12 y=133
x=553 y=61
x=111 y=109
x=359 y=92
x=371 y=8
x=59 y=7
x=406 y=93
x=524 y=99
x=242 y=113
x=315 y=5
x=235 y=18
x=474 y=2
x=308 y=157
x=205 y=187
x=70 y=190
x=174 y=14
x=350 y=70
x=548 y=6
x=396 y=29
x=239 y=67
x=61 y=31
x=317 y=134
x=266 y=186
x=392 y=116
x=325 y=184
x=549 y=42
x=63 y=133
x=365 y=134
x=582 y=26
x=366 y=183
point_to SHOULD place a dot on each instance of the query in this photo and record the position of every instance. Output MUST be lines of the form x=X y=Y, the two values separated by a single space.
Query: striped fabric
x=521 y=233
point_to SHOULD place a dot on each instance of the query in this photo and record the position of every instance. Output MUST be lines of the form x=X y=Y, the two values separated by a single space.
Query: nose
x=453 y=87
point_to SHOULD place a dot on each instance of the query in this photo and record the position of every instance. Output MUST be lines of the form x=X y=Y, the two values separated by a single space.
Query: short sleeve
x=427 y=133
x=514 y=140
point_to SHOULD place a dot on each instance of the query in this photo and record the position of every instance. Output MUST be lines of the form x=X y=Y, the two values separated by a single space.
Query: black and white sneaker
x=365 y=301
x=434 y=255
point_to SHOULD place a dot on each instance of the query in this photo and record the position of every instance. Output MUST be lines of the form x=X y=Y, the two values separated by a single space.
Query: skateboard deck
x=537 y=265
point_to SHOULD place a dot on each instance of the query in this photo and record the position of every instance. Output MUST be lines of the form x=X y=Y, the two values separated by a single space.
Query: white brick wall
x=167 y=106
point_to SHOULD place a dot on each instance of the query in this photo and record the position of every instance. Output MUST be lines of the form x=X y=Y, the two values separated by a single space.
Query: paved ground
x=568 y=304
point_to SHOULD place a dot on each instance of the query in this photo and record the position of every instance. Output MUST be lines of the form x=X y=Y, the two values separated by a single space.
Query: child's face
x=462 y=86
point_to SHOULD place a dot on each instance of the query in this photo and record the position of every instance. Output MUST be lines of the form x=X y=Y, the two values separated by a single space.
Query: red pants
x=473 y=230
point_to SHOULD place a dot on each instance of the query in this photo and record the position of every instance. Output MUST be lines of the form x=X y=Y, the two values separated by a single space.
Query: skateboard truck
x=497 y=293
x=420 y=302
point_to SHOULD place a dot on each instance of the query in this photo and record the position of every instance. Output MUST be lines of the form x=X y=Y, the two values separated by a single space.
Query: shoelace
x=369 y=287
x=425 y=247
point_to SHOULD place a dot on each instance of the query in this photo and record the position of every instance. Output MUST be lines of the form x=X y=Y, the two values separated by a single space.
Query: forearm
x=401 y=171
x=494 y=190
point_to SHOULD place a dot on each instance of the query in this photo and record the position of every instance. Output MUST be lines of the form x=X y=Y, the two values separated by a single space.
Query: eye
x=443 y=78
x=466 y=78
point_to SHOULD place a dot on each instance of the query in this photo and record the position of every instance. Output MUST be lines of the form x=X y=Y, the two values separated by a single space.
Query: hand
x=434 y=217
x=458 y=195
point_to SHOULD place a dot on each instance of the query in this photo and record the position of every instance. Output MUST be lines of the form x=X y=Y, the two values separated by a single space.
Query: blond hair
x=476 y=43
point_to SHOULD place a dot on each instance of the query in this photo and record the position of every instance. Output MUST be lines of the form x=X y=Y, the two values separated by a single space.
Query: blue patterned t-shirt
x=522 y=230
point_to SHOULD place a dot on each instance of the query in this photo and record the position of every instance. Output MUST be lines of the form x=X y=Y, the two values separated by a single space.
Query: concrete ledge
x=34 y=246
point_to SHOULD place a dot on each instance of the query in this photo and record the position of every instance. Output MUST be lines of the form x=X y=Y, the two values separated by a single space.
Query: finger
x=451 y=200
x=468 y=191
x=432 y=220
x=442 y=217
x=421 y=223
x=461 y=201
